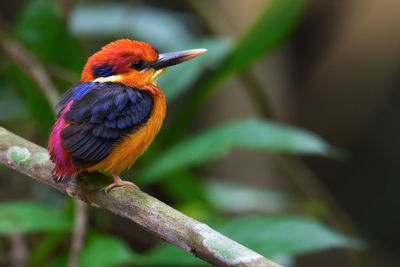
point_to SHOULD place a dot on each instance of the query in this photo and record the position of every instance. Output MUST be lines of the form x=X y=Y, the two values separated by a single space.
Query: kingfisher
x=111 y=117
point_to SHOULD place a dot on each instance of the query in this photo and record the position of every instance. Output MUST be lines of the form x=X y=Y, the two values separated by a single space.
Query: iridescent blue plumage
x=84 y=88
x=100 y=116
x=102 y=71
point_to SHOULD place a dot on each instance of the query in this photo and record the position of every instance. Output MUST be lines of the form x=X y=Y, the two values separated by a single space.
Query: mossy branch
x=151 y=214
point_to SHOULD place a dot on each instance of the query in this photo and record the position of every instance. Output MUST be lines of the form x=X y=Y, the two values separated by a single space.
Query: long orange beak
x=173 y=58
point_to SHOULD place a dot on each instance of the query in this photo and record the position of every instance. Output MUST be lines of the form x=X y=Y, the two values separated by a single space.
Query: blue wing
x=99 y=118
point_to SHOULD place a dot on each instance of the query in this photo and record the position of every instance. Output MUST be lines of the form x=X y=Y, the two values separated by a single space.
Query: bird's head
x=133 y=63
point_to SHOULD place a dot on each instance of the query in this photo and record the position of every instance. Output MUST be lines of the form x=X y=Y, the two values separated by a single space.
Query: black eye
x=137 y=65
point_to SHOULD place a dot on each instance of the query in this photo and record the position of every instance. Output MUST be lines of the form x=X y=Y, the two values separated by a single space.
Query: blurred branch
x=19 y=251
x=256 y=94
x=29 y=64
x=151 y=214
x=210 y=13
x=45 y=247
x=64 y=74
x=65 y=8
x=78 y=235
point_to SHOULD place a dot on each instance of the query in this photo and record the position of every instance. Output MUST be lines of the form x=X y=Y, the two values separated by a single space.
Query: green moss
x=18 y=154
x=40 y=158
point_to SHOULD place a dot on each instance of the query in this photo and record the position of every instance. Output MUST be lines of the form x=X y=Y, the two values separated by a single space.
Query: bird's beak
x=173 y=58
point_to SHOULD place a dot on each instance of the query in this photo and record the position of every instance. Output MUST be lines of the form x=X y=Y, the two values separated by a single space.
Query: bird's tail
x=63 y=170
x=58 y=179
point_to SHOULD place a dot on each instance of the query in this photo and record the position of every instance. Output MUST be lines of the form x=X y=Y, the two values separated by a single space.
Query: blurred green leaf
x=183 y=187
x=281 y=236
x=273 y=237
x=103 y=251
x=12 y=109
x=46 y=245
x=234 y=198
x=170 y=255
x=215 y=143
x=11 y=106
x=162 y=28
x=188 y=195
x=106 y=251
x=40 y=27
x=24 y=217
x=39 y=109
x=51 y=241
x=180 y=77
x=59 y=261
x=274 y=24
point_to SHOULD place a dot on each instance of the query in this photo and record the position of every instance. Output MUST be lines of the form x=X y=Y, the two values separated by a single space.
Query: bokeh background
x=320 y=191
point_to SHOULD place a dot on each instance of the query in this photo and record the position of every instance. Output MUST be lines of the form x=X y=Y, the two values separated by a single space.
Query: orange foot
x=118 y=182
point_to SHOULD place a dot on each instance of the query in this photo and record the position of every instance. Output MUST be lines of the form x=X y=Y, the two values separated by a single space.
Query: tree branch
x=151 y=214
x=19 y=251
x=31 y=66
x=78 y=235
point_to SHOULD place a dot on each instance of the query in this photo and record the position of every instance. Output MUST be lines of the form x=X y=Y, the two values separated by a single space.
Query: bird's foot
x=122 y=183
x=118 y=182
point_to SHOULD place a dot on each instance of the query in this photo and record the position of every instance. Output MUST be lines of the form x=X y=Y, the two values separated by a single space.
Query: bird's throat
x=157 y=74
x=113 y=79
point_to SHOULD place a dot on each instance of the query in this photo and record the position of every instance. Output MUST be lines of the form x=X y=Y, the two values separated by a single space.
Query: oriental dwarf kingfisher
x=108 y=120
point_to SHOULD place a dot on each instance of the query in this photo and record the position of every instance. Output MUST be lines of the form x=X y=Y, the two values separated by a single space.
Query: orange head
x=133 y=63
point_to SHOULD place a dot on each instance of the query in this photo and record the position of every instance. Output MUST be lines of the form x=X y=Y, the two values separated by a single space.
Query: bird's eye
x=137 y=65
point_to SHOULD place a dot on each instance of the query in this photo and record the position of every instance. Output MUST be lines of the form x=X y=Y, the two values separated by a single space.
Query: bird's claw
x=120 y=183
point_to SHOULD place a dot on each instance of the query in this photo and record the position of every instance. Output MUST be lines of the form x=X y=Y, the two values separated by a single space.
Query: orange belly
x=134 y=145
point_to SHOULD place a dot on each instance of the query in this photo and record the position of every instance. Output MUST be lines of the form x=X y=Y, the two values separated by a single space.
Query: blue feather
x=101 y=115
x=102 y=71
x=82 y=89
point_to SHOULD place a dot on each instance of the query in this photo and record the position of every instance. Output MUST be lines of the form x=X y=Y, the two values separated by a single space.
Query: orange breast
x=134 y=145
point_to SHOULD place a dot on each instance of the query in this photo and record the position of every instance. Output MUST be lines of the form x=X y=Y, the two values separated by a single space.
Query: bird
x=109 y=119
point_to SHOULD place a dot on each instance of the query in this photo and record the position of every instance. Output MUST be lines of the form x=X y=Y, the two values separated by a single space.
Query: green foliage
x=274 y=237
x=170 y=255
x=275 y=23
x=188 y=195
x=39 y=109
x=159 y=27
x=40 y=27
x=11 y=106
x=185 y=186
x=45 y=247
x=270 y=236
x=233 y=198
x=12 y=109
x=105 y=251
x=215 y=143
x=23 y=217
x=271 y=28
x=290 y=235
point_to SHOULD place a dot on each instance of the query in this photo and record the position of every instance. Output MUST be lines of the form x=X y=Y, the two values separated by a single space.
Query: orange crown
x=118 y=57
